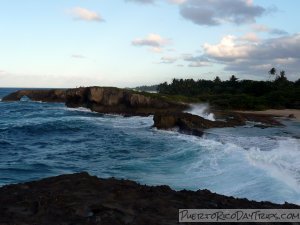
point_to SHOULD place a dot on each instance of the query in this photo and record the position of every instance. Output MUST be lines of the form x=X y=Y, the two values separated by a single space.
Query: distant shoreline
x=277 y=112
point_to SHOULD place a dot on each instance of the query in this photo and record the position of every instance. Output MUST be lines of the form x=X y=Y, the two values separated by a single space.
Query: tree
x=217 y=79
x=282 y=73
x=281 y=78
x=233 y=79
x=272 y=72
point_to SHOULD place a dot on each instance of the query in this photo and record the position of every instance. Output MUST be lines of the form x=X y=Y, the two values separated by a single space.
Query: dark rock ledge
x=81 y=199
x=195 y=125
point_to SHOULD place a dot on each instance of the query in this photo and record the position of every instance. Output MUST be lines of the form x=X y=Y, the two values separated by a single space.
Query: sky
x=127 y=43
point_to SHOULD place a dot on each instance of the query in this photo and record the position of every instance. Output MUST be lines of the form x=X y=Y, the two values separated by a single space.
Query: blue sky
x=126 y=43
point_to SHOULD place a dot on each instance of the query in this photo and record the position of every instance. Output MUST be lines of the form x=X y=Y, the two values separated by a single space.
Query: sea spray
x=202 y=110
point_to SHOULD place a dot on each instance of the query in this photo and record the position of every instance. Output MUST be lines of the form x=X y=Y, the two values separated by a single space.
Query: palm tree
x=272 y=72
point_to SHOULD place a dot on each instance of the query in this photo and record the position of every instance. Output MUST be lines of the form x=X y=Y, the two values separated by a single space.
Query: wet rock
x=195 y=125
x=291 y=116
x=191 y=124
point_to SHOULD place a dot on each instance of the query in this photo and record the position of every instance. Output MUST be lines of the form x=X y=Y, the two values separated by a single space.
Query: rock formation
x=119 y=101
x=102 y=100
x=87 y=200
x=195 y=125
x=50 y=95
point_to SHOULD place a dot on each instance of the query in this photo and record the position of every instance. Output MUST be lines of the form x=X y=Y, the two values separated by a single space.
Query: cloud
x=256 y=58
x=278 y=32
x=216 y=12
x=264 y=28
x=260 y=28
x=177 y=1
x=250 y=37
x=78 y=56
x=197 y=61
x=155 y=41
x=227 y=50
x=85 y=14
x=168 y=59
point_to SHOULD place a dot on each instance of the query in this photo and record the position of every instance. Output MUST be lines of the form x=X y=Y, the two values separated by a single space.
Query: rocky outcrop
x=52 y=95
x=119 y=101
x=191 y=124
x=195 y=125
x=102 y=100
x=87 y=200
x=267 y=120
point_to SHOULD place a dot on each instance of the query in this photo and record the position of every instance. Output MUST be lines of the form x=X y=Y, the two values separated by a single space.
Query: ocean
x=39 y=140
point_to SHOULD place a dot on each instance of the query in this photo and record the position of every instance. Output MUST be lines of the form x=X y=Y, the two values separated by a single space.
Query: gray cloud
x=168 y=59
x=256 y=59
x=155 y=41
x=215 y=12
x=197 y=61
x=264 y=28
x=278 y=32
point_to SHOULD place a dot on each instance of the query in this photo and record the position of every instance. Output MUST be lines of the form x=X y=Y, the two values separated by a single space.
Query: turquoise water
x=41 y=139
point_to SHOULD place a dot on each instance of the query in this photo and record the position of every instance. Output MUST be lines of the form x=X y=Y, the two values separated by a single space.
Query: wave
x=270 y=170
x=79 y=109
x=282 y=163
x=201 y=110
x=260 y=164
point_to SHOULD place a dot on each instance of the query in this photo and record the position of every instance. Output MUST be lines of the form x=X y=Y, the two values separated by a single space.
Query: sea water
x=39 y=140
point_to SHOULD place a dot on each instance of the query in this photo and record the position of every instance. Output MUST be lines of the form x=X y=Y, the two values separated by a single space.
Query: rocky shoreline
x=84 y=199
x=167 y=114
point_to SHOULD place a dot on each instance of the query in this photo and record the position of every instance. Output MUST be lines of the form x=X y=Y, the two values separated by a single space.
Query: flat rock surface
x=84 y=199
x=278 y=112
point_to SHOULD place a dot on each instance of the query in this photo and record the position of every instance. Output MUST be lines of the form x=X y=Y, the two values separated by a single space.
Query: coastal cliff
x=102 y=100
x=88 y=200
x=119 y=101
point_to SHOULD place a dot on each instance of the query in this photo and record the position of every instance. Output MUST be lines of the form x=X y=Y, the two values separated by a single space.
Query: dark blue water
x=41 y=139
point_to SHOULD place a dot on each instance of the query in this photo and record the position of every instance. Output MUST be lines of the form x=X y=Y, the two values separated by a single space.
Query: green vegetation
x=151 y=88
x=237 y=94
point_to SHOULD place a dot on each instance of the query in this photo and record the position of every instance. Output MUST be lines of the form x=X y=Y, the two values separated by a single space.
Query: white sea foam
x=79 y=109
x=282 y=163
x=201 y=110
x=270 y=165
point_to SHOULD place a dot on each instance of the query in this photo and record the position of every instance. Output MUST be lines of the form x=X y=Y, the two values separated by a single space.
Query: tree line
x=233 y=93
